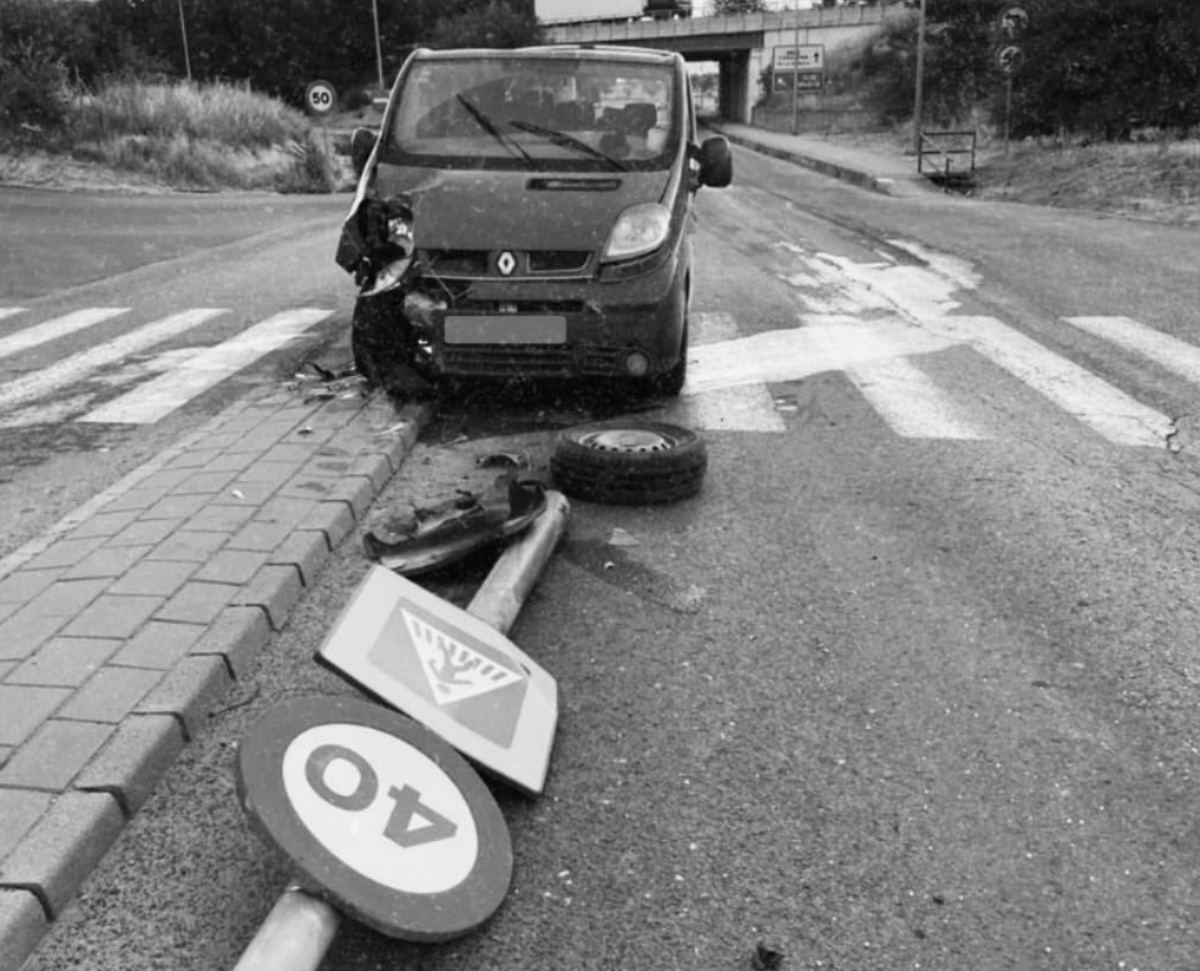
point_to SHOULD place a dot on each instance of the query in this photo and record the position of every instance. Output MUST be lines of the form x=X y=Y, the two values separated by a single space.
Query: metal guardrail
x=954 y=152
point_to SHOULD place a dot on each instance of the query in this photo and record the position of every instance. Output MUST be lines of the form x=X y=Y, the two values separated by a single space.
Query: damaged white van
x=528 y=213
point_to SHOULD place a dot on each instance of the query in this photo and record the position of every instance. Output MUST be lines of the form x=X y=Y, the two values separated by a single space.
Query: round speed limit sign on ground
x=378 y=815
x=320 y=97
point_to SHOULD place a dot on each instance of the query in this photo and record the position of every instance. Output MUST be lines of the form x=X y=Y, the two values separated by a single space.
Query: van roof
x=596 y=52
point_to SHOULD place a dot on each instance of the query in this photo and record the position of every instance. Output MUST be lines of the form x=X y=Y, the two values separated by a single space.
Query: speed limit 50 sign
x=378 y=815
x=320 y=97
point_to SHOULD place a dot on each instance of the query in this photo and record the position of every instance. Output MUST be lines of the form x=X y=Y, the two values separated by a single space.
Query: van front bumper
x=524 y=328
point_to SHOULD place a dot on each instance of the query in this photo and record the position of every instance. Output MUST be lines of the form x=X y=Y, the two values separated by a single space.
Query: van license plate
x=505 y=329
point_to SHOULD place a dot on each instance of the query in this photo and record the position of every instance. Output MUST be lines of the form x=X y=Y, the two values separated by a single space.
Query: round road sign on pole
x=320 y=98
x=1009 y=59
x=378 y=815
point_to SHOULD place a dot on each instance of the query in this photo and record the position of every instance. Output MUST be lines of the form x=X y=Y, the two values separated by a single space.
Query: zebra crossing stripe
x=744 y=408
x=907 y=399
x=53 y=329
x=1178 y=357
x=157 y=398
x=78 y=366
x=1108 y=410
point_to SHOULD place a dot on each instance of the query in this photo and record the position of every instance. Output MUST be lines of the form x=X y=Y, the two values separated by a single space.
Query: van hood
x=519 y=210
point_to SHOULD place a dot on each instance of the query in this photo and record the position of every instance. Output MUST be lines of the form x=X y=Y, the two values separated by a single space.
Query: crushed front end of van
x=527 y=214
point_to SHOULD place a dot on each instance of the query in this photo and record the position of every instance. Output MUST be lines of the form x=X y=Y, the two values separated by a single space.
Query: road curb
x=841 y=172
x=172 y=609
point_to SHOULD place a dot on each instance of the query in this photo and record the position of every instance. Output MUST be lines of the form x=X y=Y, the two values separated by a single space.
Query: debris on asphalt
x=510 y=460
x=441 y=534
x=621 y=537
x=766 y=958
x=319 y=383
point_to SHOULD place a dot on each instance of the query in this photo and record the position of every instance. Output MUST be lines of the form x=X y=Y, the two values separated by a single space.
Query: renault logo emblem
x=506 y=263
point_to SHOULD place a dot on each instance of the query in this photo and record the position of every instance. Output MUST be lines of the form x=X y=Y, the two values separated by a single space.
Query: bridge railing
x=741 y=23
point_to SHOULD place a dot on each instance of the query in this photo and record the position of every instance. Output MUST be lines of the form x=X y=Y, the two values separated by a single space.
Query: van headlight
x=640 y=229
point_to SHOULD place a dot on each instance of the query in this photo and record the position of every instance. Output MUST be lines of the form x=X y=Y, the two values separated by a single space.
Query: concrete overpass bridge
x=741 y=44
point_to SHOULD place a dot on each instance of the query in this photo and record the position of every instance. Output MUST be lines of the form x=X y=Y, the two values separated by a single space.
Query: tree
x=500 y=23
x=721 y=8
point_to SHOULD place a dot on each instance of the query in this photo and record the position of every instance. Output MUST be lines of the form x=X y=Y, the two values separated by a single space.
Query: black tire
x=671 y=383
x=629 y=462
x=378 y=338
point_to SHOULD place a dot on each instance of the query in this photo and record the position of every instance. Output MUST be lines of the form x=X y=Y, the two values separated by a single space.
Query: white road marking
x=749 y=408
x=708 y=328
x=1178 y=357
x=78 y=366
x=1111 y=412
x=798 y=352
x=927 y=299
x=907 y=399
x=743 y=408
x=53 y=329
x=158 y=398
x=10 y=311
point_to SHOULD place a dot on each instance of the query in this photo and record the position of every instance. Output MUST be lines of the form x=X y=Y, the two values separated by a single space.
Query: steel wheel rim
x=630 y=440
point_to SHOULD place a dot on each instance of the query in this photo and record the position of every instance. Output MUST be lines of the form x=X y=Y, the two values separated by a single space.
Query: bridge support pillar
x=736 y=87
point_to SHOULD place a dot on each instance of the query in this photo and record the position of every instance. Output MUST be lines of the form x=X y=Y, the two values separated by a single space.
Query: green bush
x=33 y=92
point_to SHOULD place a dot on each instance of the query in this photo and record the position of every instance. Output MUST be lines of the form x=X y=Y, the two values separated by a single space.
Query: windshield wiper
x=564 y=140
x=488 y=126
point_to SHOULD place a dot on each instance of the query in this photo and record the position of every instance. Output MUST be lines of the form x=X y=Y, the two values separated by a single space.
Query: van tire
x=629 y=462
x=377 y=339
x=670 y=383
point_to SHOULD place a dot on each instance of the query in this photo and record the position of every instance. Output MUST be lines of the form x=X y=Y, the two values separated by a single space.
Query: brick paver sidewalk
x=123 y=625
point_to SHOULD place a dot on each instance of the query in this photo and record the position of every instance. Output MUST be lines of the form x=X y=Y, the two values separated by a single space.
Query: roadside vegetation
x=1102 y=103
x=1146 y=180
x=120 y=87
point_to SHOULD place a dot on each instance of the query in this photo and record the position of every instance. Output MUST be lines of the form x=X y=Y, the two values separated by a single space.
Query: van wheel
x=671 y=383
x=629 y=462
x=380 y=346
x=376 y=336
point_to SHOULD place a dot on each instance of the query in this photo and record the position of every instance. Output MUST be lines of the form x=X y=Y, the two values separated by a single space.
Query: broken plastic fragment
x=766 y=958
x=458 y=527
x=621 y=537
x=502 y=459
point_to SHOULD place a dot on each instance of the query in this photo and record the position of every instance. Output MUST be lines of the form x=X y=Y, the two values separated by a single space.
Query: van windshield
x=515 y=111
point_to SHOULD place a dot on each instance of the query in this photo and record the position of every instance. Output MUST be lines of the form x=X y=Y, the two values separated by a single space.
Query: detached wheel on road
x=629 y=462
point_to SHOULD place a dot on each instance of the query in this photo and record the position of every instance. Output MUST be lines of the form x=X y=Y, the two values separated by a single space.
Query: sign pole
x=918 y=106
x=1008 y=82
x=795 y=67
x=301 y=927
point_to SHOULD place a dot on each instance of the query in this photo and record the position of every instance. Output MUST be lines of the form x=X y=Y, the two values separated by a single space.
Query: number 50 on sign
x=320 y=97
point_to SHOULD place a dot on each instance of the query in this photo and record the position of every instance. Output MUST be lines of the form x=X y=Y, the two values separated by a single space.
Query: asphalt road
x=145 y=259
x=911 y=684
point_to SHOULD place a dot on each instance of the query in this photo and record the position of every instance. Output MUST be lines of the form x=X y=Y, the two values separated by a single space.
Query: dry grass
x=1150 y=180
x=194 y=137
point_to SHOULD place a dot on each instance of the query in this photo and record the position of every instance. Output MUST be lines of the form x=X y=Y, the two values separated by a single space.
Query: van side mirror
x=362 y=141
x=716 y=162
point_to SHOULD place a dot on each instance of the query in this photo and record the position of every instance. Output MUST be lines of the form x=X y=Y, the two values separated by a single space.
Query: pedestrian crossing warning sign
x=450 y=671
x=454 y=670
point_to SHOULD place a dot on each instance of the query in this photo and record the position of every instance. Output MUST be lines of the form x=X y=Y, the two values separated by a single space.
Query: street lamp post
x=378 y=47
x=918 y=107
x=187 y=60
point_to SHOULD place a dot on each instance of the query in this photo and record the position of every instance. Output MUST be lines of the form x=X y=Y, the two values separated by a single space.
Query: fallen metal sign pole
x=301 y=926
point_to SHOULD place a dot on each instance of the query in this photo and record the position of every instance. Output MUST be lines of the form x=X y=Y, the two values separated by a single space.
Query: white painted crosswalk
x=881 y=359
x=156 y=399
x=884 y=340
x=67 y=388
